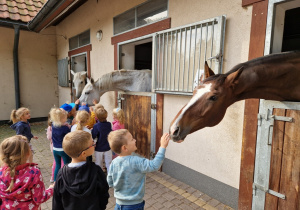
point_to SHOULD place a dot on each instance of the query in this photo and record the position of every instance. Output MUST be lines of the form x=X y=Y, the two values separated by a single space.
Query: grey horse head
x=79 y=81
x=90 y=92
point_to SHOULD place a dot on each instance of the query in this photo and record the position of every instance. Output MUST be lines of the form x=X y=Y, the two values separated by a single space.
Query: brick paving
x=162 y=191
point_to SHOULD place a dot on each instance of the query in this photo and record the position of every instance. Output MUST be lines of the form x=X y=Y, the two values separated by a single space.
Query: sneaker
x=51 y=181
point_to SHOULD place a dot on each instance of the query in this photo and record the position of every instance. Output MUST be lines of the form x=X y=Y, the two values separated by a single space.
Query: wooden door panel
x=276 y=158
x=290 y=175
x=137 y=110
x=285 y=162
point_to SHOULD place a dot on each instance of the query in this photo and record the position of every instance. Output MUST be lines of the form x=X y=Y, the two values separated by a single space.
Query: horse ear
x=72 y=72
x=88 y=80
x=207 y=71
x=82 y=73
x=232 y=78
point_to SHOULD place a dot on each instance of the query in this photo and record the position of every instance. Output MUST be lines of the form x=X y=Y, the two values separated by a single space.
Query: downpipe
x=16 y=65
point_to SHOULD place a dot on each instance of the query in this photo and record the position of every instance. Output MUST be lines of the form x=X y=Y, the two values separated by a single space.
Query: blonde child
x=127 y=173
x=81 y=119
x=80 y=184
x=118 y=123
x=49 y=137
x=101 y=131
x=21 y=185
x=20 y=124
x=92 y=119
x=60 y=128
x=119 y=119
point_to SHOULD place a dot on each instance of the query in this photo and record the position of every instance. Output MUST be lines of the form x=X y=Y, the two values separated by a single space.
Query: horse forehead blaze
x=196 y=97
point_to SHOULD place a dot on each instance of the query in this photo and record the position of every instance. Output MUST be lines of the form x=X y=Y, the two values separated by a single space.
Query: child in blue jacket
x=127 y=173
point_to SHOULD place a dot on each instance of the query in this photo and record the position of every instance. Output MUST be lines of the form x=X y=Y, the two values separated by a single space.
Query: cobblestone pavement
x=162 y=191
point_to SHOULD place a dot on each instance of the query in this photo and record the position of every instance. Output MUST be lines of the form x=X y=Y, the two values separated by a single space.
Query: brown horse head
x=207 y=106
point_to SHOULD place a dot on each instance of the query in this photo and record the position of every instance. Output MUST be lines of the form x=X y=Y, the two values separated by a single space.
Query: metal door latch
x=272 y=192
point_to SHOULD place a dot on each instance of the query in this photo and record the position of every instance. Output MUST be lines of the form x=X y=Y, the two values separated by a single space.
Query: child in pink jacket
x=21 y=183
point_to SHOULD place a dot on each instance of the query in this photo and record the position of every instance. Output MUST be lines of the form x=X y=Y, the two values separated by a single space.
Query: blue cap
x=66 y=107
x=84 y=108
x=72 y=105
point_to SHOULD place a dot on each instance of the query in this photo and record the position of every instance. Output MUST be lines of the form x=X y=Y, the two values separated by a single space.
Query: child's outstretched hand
x=95 y=101
x=164 y=140
x=35 y=137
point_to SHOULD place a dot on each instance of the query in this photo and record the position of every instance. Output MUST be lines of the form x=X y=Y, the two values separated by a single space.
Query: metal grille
x=180 y=54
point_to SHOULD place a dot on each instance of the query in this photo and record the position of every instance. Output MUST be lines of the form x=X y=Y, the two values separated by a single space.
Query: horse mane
x=278 y=57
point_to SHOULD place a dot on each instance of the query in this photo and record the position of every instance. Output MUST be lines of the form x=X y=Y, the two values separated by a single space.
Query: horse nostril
x=176 y=131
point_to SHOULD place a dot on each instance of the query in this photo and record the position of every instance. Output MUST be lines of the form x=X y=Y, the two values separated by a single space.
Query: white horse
x=123 y=80
x=78 y=81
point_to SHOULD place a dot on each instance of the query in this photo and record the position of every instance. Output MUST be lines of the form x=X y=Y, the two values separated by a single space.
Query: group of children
x=80 y=183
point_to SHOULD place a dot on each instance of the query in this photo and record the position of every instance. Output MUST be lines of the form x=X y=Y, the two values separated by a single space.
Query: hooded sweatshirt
x=82 y=187
x=22 y=128
x=28 y=191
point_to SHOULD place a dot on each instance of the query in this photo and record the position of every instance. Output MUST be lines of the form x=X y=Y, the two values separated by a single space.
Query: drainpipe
x=16 y=65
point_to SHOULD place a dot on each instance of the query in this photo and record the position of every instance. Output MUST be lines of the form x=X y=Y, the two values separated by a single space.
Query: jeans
x=58 y=155
x=139 y=206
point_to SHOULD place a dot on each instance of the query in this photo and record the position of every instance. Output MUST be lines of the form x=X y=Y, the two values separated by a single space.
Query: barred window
x=180 y=54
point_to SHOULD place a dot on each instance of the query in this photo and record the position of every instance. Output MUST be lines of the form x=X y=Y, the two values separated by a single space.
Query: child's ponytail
x=82 y=118
x=13 y=152
x=13 y=116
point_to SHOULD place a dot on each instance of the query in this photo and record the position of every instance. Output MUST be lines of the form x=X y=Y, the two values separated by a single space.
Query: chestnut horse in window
x=272 y=77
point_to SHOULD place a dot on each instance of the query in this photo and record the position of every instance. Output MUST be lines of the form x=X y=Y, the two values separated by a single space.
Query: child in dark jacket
x=21 y=125
x=80 y=184
x=60 y=128
x=101 y=131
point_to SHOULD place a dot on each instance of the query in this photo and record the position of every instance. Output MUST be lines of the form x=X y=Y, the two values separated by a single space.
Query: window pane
x=84 y=38
x=124 y=22
x=73 y=43
x=151 y=12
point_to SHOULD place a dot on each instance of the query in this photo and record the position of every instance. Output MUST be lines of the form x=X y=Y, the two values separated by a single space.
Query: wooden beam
x=256 y=49
x=249 y=2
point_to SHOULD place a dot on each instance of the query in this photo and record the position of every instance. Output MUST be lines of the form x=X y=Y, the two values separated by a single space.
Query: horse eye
x=86 y=93
x=213 y=98
x=81 y=82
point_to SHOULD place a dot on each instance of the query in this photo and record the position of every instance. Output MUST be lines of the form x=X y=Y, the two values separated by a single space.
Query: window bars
x=180 y=54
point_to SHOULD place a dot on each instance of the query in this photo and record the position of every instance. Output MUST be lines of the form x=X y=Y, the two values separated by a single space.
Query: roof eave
x=52 y=13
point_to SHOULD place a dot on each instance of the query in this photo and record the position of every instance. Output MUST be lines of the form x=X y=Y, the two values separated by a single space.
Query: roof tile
x=20 y=10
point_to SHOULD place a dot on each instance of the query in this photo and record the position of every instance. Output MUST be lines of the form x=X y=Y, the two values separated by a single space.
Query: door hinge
x=152 y=155
x=153 y=106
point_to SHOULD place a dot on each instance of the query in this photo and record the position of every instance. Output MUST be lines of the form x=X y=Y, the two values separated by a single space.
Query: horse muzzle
x=176 y=134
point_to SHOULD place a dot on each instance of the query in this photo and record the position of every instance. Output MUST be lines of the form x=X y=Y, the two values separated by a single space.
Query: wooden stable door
x=137 y=109
x=277 y=164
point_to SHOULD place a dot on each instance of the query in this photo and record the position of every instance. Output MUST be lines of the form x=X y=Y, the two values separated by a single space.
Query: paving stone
x=213 y=202
x=158 y=205
x=168 y=204
x=208 y=207
x=205 y=197
x=184 y=206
